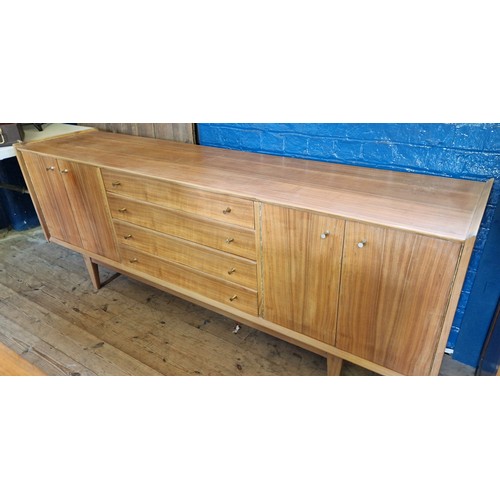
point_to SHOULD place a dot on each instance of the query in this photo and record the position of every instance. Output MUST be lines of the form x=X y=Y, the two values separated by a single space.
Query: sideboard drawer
x=227 y=293
x=232 y=239
x=221 y=207
x=214 y=262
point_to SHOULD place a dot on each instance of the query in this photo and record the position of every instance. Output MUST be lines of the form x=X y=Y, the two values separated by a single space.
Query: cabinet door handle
x=133 y=260
x=234 y=297
x=122 y=210
x=361 y=244
x=231 y=271
x=227 y=211
x=324 y=235
x=127 y=236
x=116 y=184
x=50 y=168
x=65 y=171
x=229 y=240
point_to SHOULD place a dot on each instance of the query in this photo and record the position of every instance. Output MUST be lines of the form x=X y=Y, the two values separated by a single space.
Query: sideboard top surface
x=438 y=206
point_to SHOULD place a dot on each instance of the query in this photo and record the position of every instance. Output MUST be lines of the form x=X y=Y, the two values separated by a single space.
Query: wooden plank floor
x=53 y=318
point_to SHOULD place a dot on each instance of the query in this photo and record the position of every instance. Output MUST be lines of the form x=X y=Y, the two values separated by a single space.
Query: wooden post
x=334 y=365
x=93 y=271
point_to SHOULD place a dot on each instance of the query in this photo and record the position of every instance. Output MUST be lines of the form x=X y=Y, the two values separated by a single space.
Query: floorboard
x=51 y=316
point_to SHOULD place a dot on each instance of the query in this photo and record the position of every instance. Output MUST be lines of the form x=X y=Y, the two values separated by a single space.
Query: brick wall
x=466 y=151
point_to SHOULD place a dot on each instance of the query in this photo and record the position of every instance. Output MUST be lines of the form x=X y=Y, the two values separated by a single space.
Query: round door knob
x=227 y=211
x=133 y=260
x=49 y=168
x=65 y=171
x=324 y=235
x=231 y=271
x=116 y=184
x=229 y=240
x=361 y=244
x=122 y=210
x=127 y=236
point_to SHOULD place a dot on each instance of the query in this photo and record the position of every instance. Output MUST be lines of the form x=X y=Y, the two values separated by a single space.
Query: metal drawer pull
x=229 y=240
x=127 y=236
x=122 y=210
x=324 y=235
x=65 y=171
x=231 y=271
x=227 y=211
x=234 y=297
x=50 y=168
x=133 y=260
x=361 y=244
x=116 y=184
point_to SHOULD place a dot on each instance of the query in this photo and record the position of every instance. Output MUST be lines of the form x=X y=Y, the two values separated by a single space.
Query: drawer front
x=229 y=294
x=232 y=239
x=219 y=264
x=220 y=207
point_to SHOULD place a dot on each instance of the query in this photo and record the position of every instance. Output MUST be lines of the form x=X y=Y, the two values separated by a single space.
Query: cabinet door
x=52 y=198
x=301 y=268
x=89 y=205
x=394 y=294
x=73 y=203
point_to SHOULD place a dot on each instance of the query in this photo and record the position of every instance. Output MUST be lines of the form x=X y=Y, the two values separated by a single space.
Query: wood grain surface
x=393 y=296
x=301 y=270
x=232 y=239
x=214 y=262
x=87 y=197
x=227 y=293
x=224 y=208
x=73 y=201
x=11 y=364
x=431 y=205
x=51 y=195
x=182 y=132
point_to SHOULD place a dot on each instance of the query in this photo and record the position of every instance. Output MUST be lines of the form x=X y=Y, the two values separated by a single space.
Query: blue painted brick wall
x=466 y=151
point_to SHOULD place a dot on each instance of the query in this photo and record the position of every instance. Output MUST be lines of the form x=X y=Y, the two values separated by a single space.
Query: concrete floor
x=450 y=367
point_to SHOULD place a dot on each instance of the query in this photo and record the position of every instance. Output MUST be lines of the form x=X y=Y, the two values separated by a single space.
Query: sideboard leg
x=93 y=271
x=334 y=365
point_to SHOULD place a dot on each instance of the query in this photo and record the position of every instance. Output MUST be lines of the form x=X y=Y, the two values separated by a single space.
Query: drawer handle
x=127 y=237
x=231 y=271
x=116 y=184
x=122 y=210
x=234 y=297
x=324 y=235
x=229 y=240
x=227 y=211
x=133 y=260
x=361 y=244
x=49 y=168
x=65 y=171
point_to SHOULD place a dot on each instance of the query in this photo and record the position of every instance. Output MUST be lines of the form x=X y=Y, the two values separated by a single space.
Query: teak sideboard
x=353 y=263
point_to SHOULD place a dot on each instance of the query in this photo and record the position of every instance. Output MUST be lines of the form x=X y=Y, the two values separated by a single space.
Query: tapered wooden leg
x=93 y=271
x=333 y=365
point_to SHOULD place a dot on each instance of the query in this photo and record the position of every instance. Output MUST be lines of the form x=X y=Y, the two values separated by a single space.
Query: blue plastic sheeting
x=17 y=207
